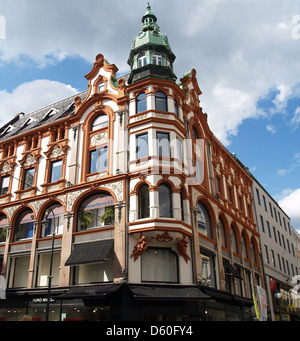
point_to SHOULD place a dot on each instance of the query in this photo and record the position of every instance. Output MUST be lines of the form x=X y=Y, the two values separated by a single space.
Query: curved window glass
x=203 y=220
x=24 y=226
x=176 y=110
x=53 y=220
x=157 y=58
x=142 y=60
x=165 y=201
x=96 y=211
x=159 y=265
x=144 y=211
x=99 y=122
x=161 y=101
x=141 y=103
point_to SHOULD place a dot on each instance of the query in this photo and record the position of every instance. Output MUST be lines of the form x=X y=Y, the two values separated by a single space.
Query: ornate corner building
x=151 y=218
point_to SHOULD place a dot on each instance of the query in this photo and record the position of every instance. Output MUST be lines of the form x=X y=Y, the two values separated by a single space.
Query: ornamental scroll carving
x=72 y=197
x=140 y=247
x=117 y=188
x=182 y=248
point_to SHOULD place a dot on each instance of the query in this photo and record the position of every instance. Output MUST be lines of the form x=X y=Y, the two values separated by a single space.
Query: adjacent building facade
x=279 y=253
x=125 y=193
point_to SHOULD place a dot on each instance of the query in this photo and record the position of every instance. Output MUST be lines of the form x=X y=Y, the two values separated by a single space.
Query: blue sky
x=245 y=52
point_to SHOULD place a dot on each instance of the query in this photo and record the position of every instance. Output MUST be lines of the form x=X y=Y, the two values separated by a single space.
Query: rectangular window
x=267 y=255
x=230 y=195
x=4 y=185
x=163 y=144
x=219 y=185
x=179 y=149
x=28 y=178
x=262 y=223
x=275 y=236
x=142 y=146
x=18 y=277
x=273 y=258
x=43 y=269
x=56 y=168
x=98 y=160
x=258 y=197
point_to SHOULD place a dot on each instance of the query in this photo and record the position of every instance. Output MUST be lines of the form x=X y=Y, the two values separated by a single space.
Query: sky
x=245 y=52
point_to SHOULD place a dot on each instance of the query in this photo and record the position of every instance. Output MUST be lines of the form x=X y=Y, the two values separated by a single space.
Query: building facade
x=126 y=194
x=279 y=254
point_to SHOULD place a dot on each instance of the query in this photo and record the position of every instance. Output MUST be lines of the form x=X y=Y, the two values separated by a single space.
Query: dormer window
x=101 y=87
x=157 y=59
x=142 y=60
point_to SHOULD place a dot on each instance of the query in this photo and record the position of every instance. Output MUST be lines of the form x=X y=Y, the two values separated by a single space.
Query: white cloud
x=282 y=172
x=291 y=205
x=238 y=48
x=271 y=129
x=30 y=96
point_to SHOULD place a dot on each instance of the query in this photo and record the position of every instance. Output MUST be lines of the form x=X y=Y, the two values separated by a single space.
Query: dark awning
x=91 y=291
x=89 y=253
x=152 y=292
x=229 y=269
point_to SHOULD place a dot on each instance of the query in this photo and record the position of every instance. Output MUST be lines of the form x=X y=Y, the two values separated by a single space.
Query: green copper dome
x=151 y=53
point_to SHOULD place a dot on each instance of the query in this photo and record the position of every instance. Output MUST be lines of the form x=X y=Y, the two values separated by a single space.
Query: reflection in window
x=53 y=220
x=161 y=101
x=144 y=211
x=142 y=145
x=44 y=266
x=98 y=160
x=141 y=102
x=163 y=144
x=203 y=220
x=165 y=201
x=157 y=59
x=96 y=211
x=24 y=226
x=3 y=228
x=142 y=60
x=159 y=265
x=4 y=185
x=176 y=110
x=208 y=270
x=28 y=178
x=18 y=274
x=56 y=168
x=99 y=122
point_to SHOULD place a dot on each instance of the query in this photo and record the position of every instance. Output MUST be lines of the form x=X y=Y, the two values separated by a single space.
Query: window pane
x=176 y=111
x=142 y=146
x=161 y=101
x=28 y=178
x=144 y=211
x=96 y=211
x=44 y=266
x=203 y=220
x=100 y=122
x=142 y=60
x=163 y=143
x=24 y=226
x=179 y=149
x=98 y=160
x=56 y=168
x=53 y=219
x=141 y=103
x=4 y=185
x=165 y=201
x=157 y=59
x=159 y=265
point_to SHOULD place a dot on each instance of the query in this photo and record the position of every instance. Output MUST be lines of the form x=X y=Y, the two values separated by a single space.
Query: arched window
x=234 y=240
x=99 y=122
x=143 y=197
x=161 y=101
x=53 y=220
x=142 y=60
x=223 y=234
x=203 y=220
x=195 y=133
x=24 y=226
x=156 y=58
x=176 y=110
x=141 y=102
x=165 y=201
x=245 y=247
x=3 y=225
x=96 y=211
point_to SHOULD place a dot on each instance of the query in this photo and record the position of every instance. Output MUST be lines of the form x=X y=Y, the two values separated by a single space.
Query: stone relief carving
x=117 y=188
x=99 y=138
x=30 y=160
x=36 y=205
x=11 y=210
x=72 y=197
x=6 y=168
x=57 y=151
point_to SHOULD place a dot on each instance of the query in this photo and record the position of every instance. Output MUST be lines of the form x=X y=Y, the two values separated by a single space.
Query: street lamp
x=46 y=222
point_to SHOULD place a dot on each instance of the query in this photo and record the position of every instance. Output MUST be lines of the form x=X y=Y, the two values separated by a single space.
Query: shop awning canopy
x=91 y=291
x=152 y=292
x=89 y=253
